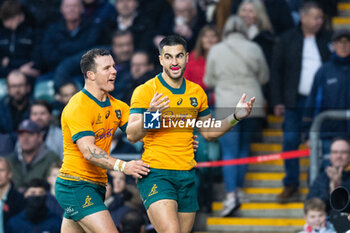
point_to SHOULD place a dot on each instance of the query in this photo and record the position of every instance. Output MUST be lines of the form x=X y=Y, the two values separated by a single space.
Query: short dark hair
x=87 y=62
x=308 y=5
x=43 y=103
x=119 y=33
x=10 y=9
x=314 y=204
x=172 y=40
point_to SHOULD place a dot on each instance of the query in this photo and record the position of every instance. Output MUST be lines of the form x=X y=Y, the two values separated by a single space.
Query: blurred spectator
x=65 y=92
x=189 y=19
x=330 y=10
x=278 y=12
x=99 y=11
x=32 y=158
x=260 y=30
x=115 y=196
x=141 y=69
x=316 y=217
x=132 y=222
x=122 y=50
x=235 y=66
x=41 y=113
x=14 y=108
x=296 y=58
x=19 y=41
x=11 y=201
x=294 y=6
x=331 y=90
x=36 y=217
x=44 y=12
x=51 y=201
x=69 y=36
x=128 y=18
x=120 y=145
x=195 y=68
x=337 y=174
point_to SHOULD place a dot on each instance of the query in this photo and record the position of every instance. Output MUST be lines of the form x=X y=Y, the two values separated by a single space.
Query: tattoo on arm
x=99 y=155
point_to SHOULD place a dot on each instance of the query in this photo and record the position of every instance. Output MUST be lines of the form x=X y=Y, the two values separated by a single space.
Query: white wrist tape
x=232 y=120
x=119 y=165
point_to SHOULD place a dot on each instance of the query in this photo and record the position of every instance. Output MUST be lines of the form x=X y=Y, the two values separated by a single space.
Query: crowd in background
x=283 y=52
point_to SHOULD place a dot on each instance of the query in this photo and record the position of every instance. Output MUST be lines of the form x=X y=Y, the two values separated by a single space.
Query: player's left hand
x=136 y=168
x=243 y=109
x=195 y=143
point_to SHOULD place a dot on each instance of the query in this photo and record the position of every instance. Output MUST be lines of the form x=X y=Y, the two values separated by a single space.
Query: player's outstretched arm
x=101 y=158
x=243 y=110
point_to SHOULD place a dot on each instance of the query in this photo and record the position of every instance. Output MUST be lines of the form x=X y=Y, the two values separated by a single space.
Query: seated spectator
x=195 y=68
x=132 y=222
x=128 y=18
x=69 y=36
x=316 y=217
x=334 y=175
x=32 y=158
x=330 y=91
x=116 y=196
x=19 y=47
x=122 y=50
x=35 y=217
x=14 y=108
x=41 y=113
x=12 y=202
x=278 y=12
x=51 y=201
x=99 y=11
x=235 y=66
x=189 y=19
x=141 y=69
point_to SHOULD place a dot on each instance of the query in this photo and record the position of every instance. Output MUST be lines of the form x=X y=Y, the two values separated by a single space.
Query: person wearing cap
x=32 y=159
x=331 y=90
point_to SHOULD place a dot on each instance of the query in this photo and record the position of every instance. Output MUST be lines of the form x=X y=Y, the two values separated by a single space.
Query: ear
x=187 y=56
x=160 y=60
x=90 y=75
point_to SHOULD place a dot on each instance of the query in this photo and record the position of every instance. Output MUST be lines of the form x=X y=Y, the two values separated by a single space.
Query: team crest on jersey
x=118 y=113
x=194 y=102
x=99 y=121
x=107 y=114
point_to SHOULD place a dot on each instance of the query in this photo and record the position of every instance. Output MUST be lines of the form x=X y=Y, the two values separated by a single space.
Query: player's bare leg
x=186 y=221
x=69 y=226
x=164 y=217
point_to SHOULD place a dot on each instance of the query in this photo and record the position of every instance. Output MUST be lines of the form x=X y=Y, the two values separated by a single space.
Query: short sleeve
x=140 y=99
x=125 y=116
x=204 y=108
x=79 y=122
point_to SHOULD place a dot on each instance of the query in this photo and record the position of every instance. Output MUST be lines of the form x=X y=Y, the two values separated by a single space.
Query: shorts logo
x=151 y=120
x=194 y=102
x=87 y=201
x=153 y=190
x=118 y=113
x=99 y=121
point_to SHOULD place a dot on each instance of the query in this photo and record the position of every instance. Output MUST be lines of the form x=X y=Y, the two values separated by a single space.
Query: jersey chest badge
x=118 y=113
x=194 y=102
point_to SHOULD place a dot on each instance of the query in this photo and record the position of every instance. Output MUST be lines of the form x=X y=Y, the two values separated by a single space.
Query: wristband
x=123 y=166
x=232 y=120
x=116 y=165
x=234 y=116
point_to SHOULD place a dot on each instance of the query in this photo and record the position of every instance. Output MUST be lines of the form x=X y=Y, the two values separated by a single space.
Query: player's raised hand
x=159 y=103
x=136 y=168
x=243 y=109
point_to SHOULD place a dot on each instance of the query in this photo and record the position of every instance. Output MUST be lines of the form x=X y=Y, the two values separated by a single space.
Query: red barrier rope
x=257 y=159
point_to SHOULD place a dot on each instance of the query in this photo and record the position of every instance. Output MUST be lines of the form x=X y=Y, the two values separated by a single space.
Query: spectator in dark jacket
x=19 y=41
x=36 y=217
x=69 y=36
x=14 y=108
x=99 y=11
x=331 y=90
x=32 y=159
x=295 y=60
x=12 y=202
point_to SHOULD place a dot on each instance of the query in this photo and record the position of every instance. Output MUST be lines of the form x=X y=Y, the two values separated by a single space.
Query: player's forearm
x=135 y=131
x=99 y=157
x=226 y=125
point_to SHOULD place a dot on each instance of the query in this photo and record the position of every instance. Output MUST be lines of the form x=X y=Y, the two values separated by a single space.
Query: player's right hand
x=136 y=168
x=158 y=103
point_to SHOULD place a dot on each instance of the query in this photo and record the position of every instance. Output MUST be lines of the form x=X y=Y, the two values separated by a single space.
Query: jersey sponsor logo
x=103 y=133
x=153 y=190
x=118 y=113
x=194 y=102
x=107 y=114
x=87 y=202
x=151 y=120
x=99 y=121
x=179 y=102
